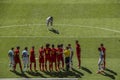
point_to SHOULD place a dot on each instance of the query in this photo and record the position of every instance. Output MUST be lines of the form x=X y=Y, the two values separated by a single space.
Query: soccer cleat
x=98 y=72
x=102 y=71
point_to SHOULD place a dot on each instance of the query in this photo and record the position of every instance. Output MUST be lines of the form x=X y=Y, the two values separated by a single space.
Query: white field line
x=61 y=25
x=22 y=25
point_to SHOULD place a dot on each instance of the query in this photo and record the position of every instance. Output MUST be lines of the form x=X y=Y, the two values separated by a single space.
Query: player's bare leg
x=56 y=66
x=31 y=66
x=43 y=66
x=49 y=66
x=104 y=65
x=35 y=66
x=20 y=66
x=40 y=66
x=15 y=66
x=52 y=66
x=104 y=62
x=79 y=62
x=59 y=65
x=46 y=66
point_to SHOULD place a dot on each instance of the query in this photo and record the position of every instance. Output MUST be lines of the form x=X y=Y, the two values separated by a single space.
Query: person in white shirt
x=71 y=55
x=25 y=58
x=11 y=58
x=49 y=21
x=100 y=61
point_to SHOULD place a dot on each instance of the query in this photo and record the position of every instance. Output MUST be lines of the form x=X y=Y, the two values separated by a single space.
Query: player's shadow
x=73 y=69
x=36 y=74
x=63 y=74
x=86 y=69
x=54 y=31
x=20 y=74
x=111 y=71
x=108 y=75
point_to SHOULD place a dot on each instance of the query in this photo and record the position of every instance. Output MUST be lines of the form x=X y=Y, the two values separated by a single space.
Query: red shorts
x=17 y=60
x=41 y=60
x=53 y=59
x=32 y=60
x=47 y=58
x=60 y=58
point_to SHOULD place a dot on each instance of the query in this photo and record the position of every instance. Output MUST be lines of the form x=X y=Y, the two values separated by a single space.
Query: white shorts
x=25 y=60
x=11 y=60
x=100 y=61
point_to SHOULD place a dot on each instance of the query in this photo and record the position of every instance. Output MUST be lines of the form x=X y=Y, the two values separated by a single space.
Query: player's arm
x=22 y=55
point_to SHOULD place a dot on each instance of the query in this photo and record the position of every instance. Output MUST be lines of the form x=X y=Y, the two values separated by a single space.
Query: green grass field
x=92 y=22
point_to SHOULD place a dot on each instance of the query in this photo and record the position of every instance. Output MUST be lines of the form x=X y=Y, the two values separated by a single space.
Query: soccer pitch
x=92 y=22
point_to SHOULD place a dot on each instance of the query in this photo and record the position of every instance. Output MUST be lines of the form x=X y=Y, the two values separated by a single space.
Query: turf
x=22 y=22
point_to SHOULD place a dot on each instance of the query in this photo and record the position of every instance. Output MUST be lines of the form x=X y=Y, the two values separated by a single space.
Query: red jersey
x=53 y=53
x=41 y=53
x=32 y=55
x=16 y=55
x=47 y=51
x=78 y=49
x=60 y=52
x=103 y=49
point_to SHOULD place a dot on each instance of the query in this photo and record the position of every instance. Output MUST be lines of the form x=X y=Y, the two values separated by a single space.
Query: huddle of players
x=47 y=57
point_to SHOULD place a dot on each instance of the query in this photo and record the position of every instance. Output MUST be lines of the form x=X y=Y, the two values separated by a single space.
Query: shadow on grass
x=20 y=74
x=36 y=74
x=108 y=75
x=86 y=69
x=77 y=71
x=54 y=31
x=111 y=71
x=64 y=74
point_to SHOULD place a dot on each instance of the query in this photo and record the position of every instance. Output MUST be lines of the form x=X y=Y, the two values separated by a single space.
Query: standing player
x=71 y=55
x=67 y=58
x=47 y=56
x=32 y=58
x=25 y=58
x=60 y=57
x=78 y=52
x=104 y=56
x=11 y=58
x=17 y=58
x=53 y=57
x=100 y=61
x=49 y=21
x=41 y=58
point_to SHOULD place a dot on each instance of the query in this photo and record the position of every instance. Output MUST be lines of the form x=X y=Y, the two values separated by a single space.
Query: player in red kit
x=17 y=58
x=53 y=57
x=47 y=56
x=32 y=58
x=60 y=57
x=78 y=53
x=104 y=56
x=41 y=58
